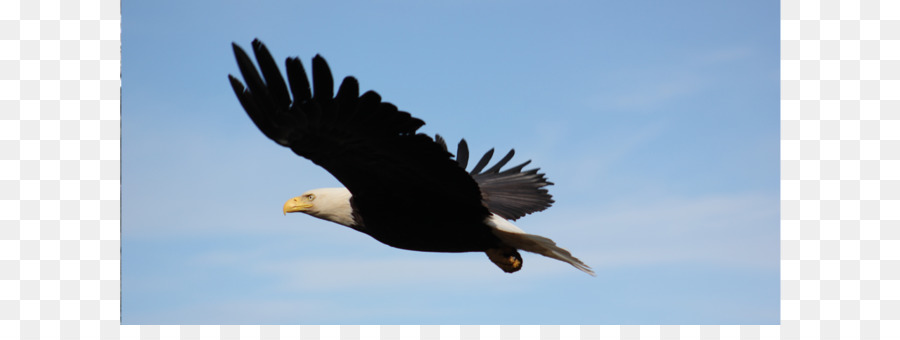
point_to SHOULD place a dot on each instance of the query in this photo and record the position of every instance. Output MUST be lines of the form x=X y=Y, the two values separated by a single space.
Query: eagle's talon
x=507 y=258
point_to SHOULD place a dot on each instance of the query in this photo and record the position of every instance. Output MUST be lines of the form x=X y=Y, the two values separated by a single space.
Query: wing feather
x=462 y=154
x=297 y=78
x=323 y=83
x=482 y=162
x=496 y=168
x=276 y=86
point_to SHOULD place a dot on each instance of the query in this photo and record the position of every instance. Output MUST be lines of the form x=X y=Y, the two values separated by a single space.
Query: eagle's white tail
x=517 y=238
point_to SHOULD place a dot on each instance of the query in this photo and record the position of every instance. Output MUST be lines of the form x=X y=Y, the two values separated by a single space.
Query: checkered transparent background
x=59 y=185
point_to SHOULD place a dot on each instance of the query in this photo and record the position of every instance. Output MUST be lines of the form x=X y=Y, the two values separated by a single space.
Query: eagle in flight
x=402 y=188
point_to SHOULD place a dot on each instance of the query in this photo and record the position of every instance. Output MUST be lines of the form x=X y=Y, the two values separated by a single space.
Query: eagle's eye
x=310 y=197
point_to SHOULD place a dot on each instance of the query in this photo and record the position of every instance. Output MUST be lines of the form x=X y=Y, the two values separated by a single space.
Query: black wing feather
x=496 y=168
x=440 y=140
x=300 y=88
x=482 y=162
x=323 y=83
x=462 y=154
x=275 y=83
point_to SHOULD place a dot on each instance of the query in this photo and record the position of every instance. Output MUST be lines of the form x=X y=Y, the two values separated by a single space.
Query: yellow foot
x=507 y=258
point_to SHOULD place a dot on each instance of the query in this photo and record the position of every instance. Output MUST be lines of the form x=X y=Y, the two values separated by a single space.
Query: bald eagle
x=403 y=188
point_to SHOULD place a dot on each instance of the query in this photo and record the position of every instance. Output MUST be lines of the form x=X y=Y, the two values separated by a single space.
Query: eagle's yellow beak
x=296 y=204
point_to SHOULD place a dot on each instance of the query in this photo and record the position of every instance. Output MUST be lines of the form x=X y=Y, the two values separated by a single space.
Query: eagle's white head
x=330 y=204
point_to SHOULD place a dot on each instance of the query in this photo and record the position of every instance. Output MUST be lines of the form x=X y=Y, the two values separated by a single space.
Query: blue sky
x=658 y=122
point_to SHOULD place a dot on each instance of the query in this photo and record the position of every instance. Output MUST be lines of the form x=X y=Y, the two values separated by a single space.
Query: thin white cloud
x=651 y=87
x=653 y=94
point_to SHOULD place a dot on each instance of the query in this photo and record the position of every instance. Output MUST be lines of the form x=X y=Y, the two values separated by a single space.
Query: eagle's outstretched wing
x=510 y=193
x=368 y=145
